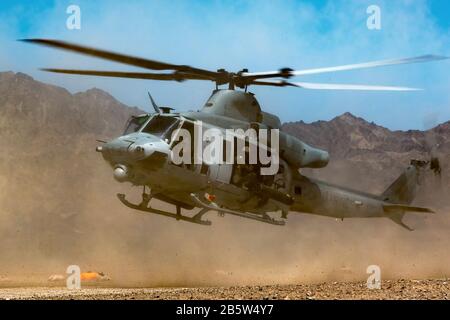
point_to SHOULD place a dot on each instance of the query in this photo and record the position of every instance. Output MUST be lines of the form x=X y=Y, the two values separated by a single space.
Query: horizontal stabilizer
x=400 y=207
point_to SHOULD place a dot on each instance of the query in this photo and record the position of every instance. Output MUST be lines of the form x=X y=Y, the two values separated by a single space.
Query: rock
x=56 y=277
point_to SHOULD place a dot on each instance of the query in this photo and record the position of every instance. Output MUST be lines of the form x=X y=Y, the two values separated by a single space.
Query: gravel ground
x=390 y=289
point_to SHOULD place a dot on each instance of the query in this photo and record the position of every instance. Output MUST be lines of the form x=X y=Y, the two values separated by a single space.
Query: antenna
x=154 y=105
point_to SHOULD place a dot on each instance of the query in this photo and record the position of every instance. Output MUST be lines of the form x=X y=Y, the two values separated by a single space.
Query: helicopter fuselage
x=143 y=158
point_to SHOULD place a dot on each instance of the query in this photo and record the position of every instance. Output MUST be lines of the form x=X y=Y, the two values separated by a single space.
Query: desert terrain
x=391 y=289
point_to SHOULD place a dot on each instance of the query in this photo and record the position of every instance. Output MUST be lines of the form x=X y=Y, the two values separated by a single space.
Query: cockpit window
x=134 y=123
x=161 y=126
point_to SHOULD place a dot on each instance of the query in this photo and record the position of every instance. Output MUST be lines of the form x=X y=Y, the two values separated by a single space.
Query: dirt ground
x=390 y=289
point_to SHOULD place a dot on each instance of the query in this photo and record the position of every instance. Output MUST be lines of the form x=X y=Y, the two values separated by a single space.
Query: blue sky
x=259 y=35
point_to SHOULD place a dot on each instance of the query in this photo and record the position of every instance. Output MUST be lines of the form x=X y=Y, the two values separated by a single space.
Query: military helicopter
x=142 y=155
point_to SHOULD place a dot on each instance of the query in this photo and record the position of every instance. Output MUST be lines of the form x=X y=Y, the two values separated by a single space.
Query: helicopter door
x=213 y=171
x=220 y=172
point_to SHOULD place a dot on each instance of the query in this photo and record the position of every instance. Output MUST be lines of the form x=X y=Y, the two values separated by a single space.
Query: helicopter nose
x=129 y=151
x=114 y=150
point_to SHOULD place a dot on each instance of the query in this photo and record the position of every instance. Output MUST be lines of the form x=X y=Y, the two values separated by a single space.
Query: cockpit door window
x=161 y=126
x=134 y=123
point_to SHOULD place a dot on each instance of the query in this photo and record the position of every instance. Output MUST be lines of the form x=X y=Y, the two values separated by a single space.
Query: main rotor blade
x=331 y=86
x=133 y=75
x=373 y=64
x=366 y=65
x=359 y=87
x=121 y=58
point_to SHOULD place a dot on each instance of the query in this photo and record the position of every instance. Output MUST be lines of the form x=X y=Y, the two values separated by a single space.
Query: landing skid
x=214 y=207
x=197 y=218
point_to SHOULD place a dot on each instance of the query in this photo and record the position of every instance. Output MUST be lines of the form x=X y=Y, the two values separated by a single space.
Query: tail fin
x=401 y=193
x=403 y=190
x=397 y=217
x=396 y=212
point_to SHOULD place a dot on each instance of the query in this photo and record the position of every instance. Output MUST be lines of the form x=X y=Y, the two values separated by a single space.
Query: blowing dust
x=64 y=212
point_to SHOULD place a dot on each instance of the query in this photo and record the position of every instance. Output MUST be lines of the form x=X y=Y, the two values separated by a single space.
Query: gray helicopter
x=143 y=155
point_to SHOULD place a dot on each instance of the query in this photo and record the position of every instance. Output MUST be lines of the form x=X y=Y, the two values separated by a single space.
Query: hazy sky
x=258 y=35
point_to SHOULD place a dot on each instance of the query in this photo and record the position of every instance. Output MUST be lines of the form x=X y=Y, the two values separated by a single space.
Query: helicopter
x=143 y=155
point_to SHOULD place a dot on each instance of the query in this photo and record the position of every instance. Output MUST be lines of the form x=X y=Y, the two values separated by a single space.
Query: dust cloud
x=62 y=210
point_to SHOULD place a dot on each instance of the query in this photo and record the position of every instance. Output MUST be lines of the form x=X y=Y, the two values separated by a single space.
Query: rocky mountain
x=45 y=109
x=48 y=158
x=362 y=149
x=347 y=136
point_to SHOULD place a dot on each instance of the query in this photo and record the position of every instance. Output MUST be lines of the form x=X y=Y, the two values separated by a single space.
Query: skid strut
x=143 y=206
x=214 y=207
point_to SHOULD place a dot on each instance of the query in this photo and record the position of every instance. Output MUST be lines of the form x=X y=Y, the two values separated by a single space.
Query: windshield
x=134 y=123
x=161 y=126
